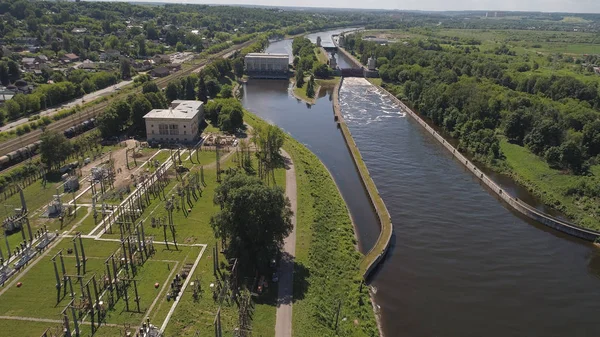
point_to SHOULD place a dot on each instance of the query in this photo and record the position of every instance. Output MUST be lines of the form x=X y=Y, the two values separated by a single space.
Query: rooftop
x=268 y=55
x=180 y=109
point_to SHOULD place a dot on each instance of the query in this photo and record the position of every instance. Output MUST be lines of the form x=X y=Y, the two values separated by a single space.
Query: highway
x=63 y=124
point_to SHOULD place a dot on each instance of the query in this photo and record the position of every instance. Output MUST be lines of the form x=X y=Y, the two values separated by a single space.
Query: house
x=110 y=54
x=597 y=70
x=41 y=58
x=161 y=58
x=79 y=30
x=161 y=72
x=28 y=62
x=178 y=124
x=70 y=58
x=173 y=67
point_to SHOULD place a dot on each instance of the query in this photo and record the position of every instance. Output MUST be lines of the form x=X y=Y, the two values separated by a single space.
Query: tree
x=150 y=87
x=226 y=91
x=109 y=124
x=4 y=75
x=310 y=88
x=254 y=219
x=54 y=148
x=591 y=137
x=212 y=87
x=140 y=106
x=321 y=70
x=190 y=90
x=172 y=91
x=125 y=69
x=571 y=156
x=299 y=78
x=202 y=90
x=122 y=109
x=13 y=109
x=238 y=67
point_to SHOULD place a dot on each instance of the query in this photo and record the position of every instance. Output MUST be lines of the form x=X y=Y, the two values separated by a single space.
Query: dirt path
x=283 y=324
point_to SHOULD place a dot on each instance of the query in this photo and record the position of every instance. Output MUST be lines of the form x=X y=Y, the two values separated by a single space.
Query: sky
x=571 y=6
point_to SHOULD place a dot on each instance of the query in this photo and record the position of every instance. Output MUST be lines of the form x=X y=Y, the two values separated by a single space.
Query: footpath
x=283 y=322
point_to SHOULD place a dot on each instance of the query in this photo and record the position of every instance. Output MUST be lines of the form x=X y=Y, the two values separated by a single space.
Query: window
x=163 y=129
x=173 y=129
x=152 y=131
x=184 y=132
x=184 y=126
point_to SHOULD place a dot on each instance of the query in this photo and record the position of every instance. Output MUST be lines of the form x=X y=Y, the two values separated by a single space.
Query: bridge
x=352 y=72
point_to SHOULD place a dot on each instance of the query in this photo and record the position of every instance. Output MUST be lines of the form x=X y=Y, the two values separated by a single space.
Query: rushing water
x=461 y=263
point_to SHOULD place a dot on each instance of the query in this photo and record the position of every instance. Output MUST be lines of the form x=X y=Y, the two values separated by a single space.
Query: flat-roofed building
x=178 y=124
x=264 y=65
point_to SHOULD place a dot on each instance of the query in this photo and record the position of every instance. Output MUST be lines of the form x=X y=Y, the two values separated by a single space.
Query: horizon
x=554 y=6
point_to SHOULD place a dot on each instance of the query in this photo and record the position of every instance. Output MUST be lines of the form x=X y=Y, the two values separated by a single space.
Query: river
x=461 y=264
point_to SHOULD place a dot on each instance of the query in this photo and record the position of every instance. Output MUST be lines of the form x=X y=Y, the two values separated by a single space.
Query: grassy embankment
x=552 y=185
x=327 y=262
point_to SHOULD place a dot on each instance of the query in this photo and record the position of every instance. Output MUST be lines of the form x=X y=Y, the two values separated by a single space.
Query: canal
x=461 y=263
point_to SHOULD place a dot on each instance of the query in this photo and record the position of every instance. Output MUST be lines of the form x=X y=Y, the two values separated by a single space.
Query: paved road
x=283 y=323
x=86 y=98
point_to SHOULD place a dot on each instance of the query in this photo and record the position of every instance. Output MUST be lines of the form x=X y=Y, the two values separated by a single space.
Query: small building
x=110 y=54
x=70 y=58
x=265 y=65
x=161 y=58
x=180 y=123
x=371 y=63
x=160 y=72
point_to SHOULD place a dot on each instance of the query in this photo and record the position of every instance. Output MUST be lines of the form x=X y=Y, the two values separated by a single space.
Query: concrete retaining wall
x=377 y=253
x=515 y=203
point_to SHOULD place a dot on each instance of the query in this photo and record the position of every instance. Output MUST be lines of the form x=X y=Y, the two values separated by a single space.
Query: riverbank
x=377 y=253
x=326 y=269
x=514 y=203
x=300 y=93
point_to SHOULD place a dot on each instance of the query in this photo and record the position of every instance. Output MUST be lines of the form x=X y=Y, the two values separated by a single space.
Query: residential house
x=68 y=58
x=110 y=54
x=161 y=72
x=161 y=58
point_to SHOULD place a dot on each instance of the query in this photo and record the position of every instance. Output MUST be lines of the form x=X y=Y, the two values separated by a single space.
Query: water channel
x=461 y=264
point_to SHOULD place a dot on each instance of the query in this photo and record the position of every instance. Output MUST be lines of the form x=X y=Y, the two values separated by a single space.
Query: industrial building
x=262 y=65
x=178 y=124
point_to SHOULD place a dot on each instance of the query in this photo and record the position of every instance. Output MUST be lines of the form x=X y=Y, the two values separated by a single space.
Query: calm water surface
x=461 y=263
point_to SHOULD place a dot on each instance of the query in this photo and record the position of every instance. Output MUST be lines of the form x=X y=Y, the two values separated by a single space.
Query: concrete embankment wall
x=356 y=63
x=377 y=253
x=515 y=203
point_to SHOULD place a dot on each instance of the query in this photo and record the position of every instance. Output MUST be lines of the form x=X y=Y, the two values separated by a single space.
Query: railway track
x=63 y=124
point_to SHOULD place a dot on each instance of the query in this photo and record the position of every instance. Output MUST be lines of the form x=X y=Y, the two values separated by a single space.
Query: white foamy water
x=360 y=92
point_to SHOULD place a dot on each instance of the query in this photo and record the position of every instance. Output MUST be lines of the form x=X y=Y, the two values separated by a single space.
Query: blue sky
x=573 y=6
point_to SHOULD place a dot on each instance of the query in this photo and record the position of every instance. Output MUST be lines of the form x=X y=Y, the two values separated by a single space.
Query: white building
x=267 y=65
x=178 y=124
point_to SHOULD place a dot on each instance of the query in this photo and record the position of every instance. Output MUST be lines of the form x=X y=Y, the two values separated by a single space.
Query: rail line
x=91 y=112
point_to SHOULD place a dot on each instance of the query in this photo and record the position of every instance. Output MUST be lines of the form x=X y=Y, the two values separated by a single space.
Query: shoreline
x=514 y=203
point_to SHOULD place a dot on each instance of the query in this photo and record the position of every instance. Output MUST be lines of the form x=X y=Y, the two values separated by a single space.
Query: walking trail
x=283 y=323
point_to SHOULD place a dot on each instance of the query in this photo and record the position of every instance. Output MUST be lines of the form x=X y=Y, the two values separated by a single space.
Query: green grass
x=300 y=93
x=321 y=56
x=327 y=262
x=551 y=185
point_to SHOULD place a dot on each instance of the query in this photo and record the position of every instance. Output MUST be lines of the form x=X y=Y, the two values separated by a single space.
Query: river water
x=461 y=263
